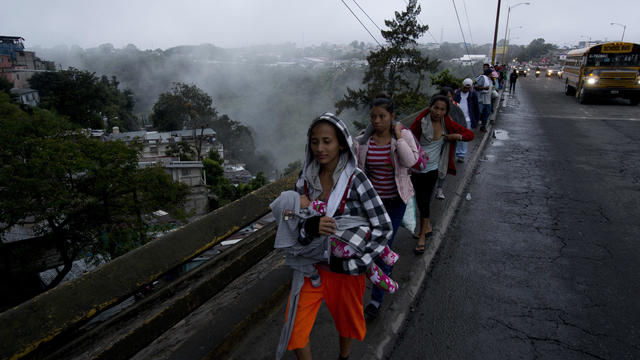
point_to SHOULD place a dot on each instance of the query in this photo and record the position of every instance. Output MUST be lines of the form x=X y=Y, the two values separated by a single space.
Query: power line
x=462 y=32
x=373 y=22
x=468 y=22
x=356 y=16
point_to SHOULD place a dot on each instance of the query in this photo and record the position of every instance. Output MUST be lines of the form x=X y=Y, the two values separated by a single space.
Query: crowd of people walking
x=340 y=223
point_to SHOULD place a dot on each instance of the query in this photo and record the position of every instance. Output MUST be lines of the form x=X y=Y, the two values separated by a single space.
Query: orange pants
x=343 y=295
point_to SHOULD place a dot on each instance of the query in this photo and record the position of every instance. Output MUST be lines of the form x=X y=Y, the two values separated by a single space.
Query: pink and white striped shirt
x=380 y=170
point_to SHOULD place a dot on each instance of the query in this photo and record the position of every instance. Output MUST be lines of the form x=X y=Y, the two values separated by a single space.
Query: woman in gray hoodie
x=330 y=174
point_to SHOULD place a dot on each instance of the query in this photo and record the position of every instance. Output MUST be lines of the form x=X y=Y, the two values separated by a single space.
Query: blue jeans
x=395 y=208
x=485 y=111
x=461 y=146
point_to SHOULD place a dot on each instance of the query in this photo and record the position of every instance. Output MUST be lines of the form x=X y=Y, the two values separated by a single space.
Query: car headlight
x=592 y=81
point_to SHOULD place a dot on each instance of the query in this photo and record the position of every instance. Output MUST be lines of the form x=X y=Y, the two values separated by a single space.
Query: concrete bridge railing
x=51 y=324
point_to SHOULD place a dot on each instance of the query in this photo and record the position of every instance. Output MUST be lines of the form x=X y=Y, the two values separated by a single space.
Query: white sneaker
x=439 y=194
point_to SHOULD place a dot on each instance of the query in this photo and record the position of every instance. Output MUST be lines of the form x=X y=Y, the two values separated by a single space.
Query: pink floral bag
x=423 y=158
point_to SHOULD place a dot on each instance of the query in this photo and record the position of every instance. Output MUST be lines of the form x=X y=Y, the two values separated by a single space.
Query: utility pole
x=506 y=28
x=624 y=28
x=495 y=35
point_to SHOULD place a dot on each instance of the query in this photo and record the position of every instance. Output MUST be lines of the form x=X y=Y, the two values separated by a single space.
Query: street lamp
x=624 y=28
x=506 y=44
x=507 y=27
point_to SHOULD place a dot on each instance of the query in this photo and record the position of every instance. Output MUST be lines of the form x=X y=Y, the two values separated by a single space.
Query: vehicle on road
x=602 y=71
x=537 y=72
x=557 y=71
x=522 y=71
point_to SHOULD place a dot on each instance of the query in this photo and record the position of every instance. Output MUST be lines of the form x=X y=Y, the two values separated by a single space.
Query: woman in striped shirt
x=386 y=152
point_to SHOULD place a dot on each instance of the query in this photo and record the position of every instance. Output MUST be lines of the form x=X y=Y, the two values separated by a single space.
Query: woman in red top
x=436 y=132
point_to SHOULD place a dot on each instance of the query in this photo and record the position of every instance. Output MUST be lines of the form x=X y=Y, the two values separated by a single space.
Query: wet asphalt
x=544 y=261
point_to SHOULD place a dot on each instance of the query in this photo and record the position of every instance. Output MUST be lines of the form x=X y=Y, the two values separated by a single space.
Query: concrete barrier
x=53 y=318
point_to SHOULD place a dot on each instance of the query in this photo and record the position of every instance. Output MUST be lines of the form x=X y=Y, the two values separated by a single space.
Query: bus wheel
x=568 y=90
x=582 y=97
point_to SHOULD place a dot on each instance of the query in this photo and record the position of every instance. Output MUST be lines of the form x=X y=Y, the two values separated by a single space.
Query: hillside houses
x=18 y=65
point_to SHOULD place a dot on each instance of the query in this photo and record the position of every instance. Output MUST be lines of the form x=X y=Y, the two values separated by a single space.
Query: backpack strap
x=343 y=202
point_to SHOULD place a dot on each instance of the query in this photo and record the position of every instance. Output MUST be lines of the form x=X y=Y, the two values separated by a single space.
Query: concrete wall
x=53 y=318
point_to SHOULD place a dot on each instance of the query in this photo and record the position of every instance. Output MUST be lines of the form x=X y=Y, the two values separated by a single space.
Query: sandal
x=419 y=249
x=427 y=235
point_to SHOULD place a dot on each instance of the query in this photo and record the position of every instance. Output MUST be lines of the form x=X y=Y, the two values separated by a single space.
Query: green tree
x=86 y=99
x=5 y=85
x=184 y=106
x=221 y=189
x=83 y=195
x=214 y=172
x=239 y=144
x=215 y=155
x=445 y=78
x=292 y=167
x=398 y=68
x=536 y=49
x=181 y=150
x=256 y=183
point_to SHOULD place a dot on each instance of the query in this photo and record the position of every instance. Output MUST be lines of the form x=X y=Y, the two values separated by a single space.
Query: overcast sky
x=236 y=23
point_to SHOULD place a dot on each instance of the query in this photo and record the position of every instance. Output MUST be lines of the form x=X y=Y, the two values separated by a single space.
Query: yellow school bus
x=604 y=71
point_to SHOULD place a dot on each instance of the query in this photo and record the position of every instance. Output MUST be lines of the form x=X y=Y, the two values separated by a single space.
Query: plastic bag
x=409 y=218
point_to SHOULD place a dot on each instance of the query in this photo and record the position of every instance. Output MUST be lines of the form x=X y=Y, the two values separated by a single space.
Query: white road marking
x=612 y=118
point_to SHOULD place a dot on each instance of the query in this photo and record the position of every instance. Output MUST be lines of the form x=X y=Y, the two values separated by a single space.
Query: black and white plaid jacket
x=362 y=200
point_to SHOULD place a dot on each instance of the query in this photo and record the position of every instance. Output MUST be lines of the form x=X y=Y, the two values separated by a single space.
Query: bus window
x=613 y=60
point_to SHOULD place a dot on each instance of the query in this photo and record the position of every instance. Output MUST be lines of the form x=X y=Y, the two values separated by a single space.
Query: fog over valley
x=275 y=90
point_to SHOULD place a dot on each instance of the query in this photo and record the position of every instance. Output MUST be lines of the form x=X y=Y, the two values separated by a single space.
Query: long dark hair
x=445 y=91
x=383 y=100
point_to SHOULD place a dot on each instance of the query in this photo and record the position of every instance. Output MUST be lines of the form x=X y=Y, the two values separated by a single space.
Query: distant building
x=190 y=173
x=470 y=59
x=27 y=96
x=18 y=65
x=237 y=174
x=10 y=45
x=154 y=152
x=5 y=62
x=155 y=144
x=432 y=46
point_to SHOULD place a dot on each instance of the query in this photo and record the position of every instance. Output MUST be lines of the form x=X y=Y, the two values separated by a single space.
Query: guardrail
x=46 y=324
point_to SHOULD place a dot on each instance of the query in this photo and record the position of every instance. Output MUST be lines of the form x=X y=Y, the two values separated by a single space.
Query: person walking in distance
x=513 y=77
x=467 y=98
x=484 y=86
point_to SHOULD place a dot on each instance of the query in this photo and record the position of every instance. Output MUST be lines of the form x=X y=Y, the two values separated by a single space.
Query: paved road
x=543 y=262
